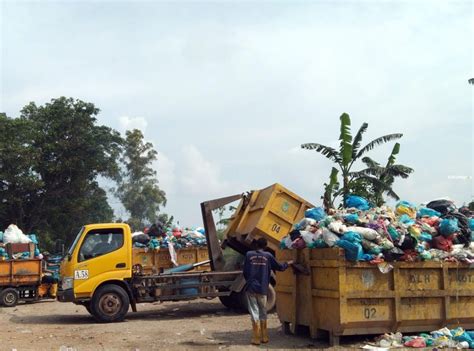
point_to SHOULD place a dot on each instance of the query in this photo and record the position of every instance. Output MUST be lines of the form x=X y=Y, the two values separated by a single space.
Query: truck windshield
x=73 y=246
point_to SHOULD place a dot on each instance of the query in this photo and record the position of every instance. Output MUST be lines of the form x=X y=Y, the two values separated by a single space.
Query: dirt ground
x=197 y=324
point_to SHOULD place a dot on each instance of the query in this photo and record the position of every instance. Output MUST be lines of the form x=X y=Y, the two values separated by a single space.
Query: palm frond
x=358 y=139
x=381 y=185
x=399 y=171
x=345 y=138
x=370 y=171
x=369 y=162
x=395 y=151
x=327 y=151
x=379 y=141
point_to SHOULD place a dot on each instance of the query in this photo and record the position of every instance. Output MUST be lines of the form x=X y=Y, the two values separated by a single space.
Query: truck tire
x=109 y=304
x=9 y=297
x=231 y=301
x=271 y=298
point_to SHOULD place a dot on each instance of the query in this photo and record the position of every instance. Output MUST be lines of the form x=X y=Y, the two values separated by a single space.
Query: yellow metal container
x=153 y=261
x=345 y=298
x=20 y=272
x=268 y=213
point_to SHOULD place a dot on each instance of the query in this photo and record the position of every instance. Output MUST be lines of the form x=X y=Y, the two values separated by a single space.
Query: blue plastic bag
x=358 y=202
x=352 y=251
x=427 y=212
x=352 y=218
x=353 y=237
x=448 y=226
x=316 y=213
x=425 y=237
x=471 y=224
x=405 y=219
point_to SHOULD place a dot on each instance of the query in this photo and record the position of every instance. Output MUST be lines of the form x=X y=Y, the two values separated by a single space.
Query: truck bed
x=20 y=272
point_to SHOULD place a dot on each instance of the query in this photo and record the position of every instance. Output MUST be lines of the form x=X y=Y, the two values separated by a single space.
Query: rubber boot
x=263 y=327
x=257 y=333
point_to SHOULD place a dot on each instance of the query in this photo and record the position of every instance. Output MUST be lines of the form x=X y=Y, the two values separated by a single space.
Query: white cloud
x=199 y=175
x=165 y=168
x=128 y=123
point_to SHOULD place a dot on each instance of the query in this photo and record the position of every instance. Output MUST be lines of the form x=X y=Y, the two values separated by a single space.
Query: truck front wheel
x=110 y=303
x=9 y=297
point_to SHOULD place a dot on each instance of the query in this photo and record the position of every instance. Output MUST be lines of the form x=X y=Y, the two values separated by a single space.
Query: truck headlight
x=67 y=283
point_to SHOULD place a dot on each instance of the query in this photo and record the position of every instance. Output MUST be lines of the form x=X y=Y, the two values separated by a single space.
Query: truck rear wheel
x=110 y=303
x=9 y=297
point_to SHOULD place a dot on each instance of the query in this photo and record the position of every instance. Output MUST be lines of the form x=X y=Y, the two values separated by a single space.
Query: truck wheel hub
x=10 y=298
x=110 y=304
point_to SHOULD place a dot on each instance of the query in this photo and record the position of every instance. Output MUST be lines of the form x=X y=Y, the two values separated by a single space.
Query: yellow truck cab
x=99 y=273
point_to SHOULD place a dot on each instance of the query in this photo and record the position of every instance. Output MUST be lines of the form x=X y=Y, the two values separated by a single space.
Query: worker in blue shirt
x=257 y=270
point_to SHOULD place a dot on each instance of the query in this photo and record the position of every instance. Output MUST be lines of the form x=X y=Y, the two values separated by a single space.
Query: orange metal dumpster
x=346 y=298
x=151 y=261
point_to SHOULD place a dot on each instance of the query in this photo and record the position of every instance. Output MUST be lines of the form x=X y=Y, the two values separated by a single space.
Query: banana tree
x=349 y=149
x=382 y=178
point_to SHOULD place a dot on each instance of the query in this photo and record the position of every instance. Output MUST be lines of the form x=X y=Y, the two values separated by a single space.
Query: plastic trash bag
x=406 y=220
x=337 y=227
x=443 y=206
x=352 y=218
x=366 y=233
x=425 y=237
x=285 y=242
x=329 y=238
x=416 y=342
x=460 y=335
x=309 y=237
x=357 y=202
x=14 y=235
x=317 y=244
x=394 y=234
x=298 y=243
x=316 y=213
x=471 y=224
x=352 y=237
x=352 y=251
x=305 y=222
x=448 y=226
x=427 y=212
x=139 y=237
x=405 y=207
x=443 y=243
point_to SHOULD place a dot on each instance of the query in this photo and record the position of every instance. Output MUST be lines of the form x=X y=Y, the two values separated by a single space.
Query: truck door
x=103 y=255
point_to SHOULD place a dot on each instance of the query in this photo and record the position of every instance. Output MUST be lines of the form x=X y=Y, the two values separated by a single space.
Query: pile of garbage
x=438 y=231
x=14 y=235
x=457 y=338
x=158 y=237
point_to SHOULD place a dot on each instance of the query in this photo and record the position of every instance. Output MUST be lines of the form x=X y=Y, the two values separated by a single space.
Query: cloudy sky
x=228 y=90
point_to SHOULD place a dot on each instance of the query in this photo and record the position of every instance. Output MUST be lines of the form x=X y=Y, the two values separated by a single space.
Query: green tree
x=382 y=178
x=138 y=188
x=21 y=188
x=349 y=150
x=67 y=151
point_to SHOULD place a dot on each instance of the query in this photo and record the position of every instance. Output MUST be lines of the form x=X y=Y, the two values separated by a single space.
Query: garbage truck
x=108 y=279
x=24 y=280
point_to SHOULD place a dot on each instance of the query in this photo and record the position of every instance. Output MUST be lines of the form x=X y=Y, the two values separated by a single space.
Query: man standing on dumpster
x=257 y=269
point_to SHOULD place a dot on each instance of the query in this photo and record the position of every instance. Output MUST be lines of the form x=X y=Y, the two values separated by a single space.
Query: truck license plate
x=81 y=274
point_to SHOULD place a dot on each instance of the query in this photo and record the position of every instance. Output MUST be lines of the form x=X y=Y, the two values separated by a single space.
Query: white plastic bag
x=367 y=233
x=14 y=235
x=337 y=227
x=329 y=237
